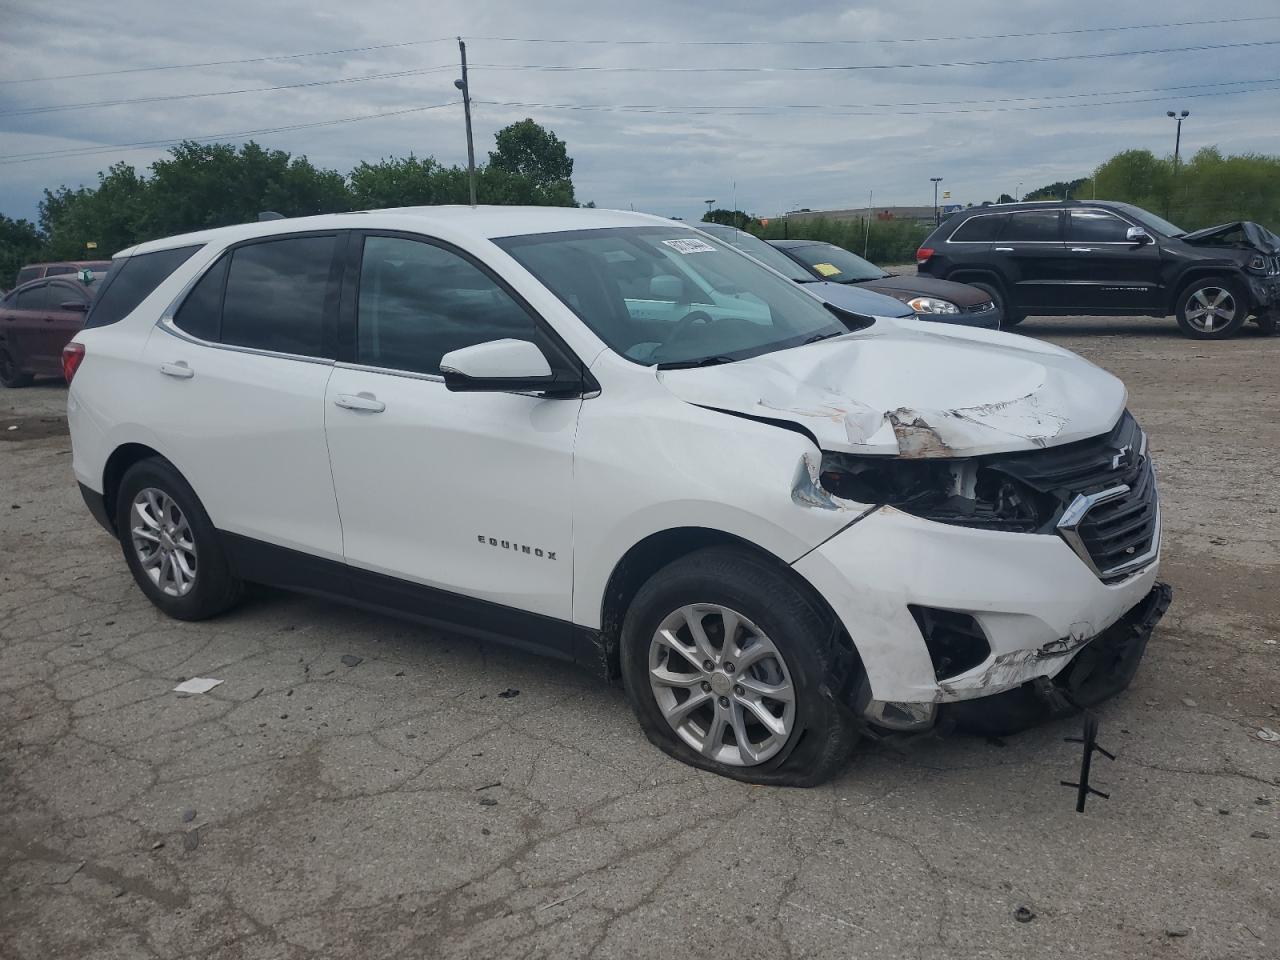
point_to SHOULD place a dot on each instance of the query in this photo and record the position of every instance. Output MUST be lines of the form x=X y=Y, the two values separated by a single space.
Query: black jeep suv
x=1080 y=257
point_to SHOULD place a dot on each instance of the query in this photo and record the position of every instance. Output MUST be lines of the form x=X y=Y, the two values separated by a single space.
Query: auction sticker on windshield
x=690 y=245
x=826 y=269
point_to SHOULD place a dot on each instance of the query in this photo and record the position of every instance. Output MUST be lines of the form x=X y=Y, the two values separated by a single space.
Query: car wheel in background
x=1008 y=317
x=170 y=544
x=729 y=666
x=1211 y=308
x=10 y=376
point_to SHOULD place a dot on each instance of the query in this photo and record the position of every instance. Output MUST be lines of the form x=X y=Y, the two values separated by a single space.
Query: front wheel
x=1212 y=308
x=170 y=544
x=729 y=667
x=1007 y=317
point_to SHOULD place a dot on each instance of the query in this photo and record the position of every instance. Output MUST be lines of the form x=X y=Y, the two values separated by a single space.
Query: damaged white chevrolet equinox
x=613 y=439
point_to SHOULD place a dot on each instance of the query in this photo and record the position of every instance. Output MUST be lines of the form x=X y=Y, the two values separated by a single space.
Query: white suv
x=618 y=441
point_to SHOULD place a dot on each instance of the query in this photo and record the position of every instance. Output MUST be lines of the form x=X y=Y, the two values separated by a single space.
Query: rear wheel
x=10 y=375
x=729 y=667
x=1007 y=317
x=1211 y=308
x=170 y=544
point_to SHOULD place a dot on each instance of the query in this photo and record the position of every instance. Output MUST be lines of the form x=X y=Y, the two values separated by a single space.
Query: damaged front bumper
x=1013 y=609
x=1102 y=668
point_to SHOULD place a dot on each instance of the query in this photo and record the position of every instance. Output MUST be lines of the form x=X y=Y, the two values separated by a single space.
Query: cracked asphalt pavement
x=397 y=804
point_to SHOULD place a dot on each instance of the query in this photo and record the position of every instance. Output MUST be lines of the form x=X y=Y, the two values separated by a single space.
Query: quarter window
x=980 y=229
x=419 y=301
x=1032 y=226
x=201 y=313
x=276 y=295
x=1096 y=226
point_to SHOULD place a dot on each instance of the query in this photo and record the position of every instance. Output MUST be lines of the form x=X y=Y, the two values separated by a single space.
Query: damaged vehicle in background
x=853 y=299
x=621 y=442
x=1098 y=257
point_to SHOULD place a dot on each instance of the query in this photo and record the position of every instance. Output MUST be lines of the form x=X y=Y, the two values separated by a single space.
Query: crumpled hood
x=900 y=389
x=1250 y=233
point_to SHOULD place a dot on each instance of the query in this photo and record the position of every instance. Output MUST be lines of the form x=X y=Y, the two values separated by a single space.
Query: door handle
x=366 y=402
x=178 y=369
x=1082 y=249
x=1004 y=249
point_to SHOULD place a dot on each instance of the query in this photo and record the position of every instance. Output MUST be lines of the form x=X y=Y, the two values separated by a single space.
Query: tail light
x=72 y=355
x=923 y=254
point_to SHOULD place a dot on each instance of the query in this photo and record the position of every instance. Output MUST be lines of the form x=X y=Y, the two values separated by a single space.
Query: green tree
x=1061 y=190
x=399 y=182
x=731 y=218
x=19 y=244
x=531 y=151
x=109 y=215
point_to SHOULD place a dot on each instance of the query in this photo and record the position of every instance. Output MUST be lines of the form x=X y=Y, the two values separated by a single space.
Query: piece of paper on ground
x=196 y=685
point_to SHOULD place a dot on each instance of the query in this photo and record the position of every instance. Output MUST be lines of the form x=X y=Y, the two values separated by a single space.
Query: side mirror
x=1138 y=235
x=499 y=366
x=78 y=306
x=666 y=287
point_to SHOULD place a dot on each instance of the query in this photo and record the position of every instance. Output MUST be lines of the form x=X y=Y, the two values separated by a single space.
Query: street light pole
x=709 y=204
x=465 y=87
x=1177 y=149
x=937 y=218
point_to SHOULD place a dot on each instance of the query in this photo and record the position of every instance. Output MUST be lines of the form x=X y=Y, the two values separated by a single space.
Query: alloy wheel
x=1210 y=309
x=163 y=541
x=722 y=684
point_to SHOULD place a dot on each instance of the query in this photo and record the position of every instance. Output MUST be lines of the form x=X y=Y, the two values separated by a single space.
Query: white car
x=610 y=438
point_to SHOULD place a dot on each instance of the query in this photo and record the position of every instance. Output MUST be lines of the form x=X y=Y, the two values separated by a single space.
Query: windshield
x=672 y=297
x=1150 y=220
x=830 y=262
x=753 y=246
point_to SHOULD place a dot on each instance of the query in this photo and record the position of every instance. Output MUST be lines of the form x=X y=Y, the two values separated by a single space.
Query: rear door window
x=1032 y=226
x=1096 y=226
x=132 y=280
x=27 y=273
x=59 y=269
x=60 y=293
x=980 y=229
x=281 y=296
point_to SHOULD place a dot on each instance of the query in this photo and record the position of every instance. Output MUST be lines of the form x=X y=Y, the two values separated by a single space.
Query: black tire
x=1007 y=318
x=1211 y=288
x=10 y=376
x=214 y=588
x=822 y=668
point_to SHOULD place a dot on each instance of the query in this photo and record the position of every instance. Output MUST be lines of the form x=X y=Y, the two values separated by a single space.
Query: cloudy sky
x=717 y=106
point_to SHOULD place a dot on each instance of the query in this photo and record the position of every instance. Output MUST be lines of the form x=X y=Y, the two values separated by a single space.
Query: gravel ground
x=359 y=787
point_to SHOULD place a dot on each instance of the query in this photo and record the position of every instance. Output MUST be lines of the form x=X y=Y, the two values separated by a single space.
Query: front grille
x=1110 y=512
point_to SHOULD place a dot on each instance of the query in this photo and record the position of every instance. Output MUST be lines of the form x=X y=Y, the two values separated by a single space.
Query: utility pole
x=465 y=87
x=1177 y=148
x=866 y=230
x=937 y=219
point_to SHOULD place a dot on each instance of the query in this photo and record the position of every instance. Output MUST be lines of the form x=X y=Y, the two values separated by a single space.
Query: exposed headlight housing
x=932 y=305
x=965 y=492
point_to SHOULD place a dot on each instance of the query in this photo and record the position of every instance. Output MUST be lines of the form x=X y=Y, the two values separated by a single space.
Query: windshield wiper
x=699 y=362
x=823 y=336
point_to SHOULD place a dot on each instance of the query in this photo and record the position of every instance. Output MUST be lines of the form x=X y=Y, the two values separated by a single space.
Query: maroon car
x=36 y=321
x=38 y=271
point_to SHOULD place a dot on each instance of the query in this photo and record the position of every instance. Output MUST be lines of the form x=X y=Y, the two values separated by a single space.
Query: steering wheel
x=683 y=326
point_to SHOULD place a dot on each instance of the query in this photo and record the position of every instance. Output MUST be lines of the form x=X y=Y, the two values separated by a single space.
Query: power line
x=769 y=108
x=143 y=144
x=553 y=68
x=826 y=112
x=59 y=107
x=561 y=40
x=986 y=36
x=224 y=63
